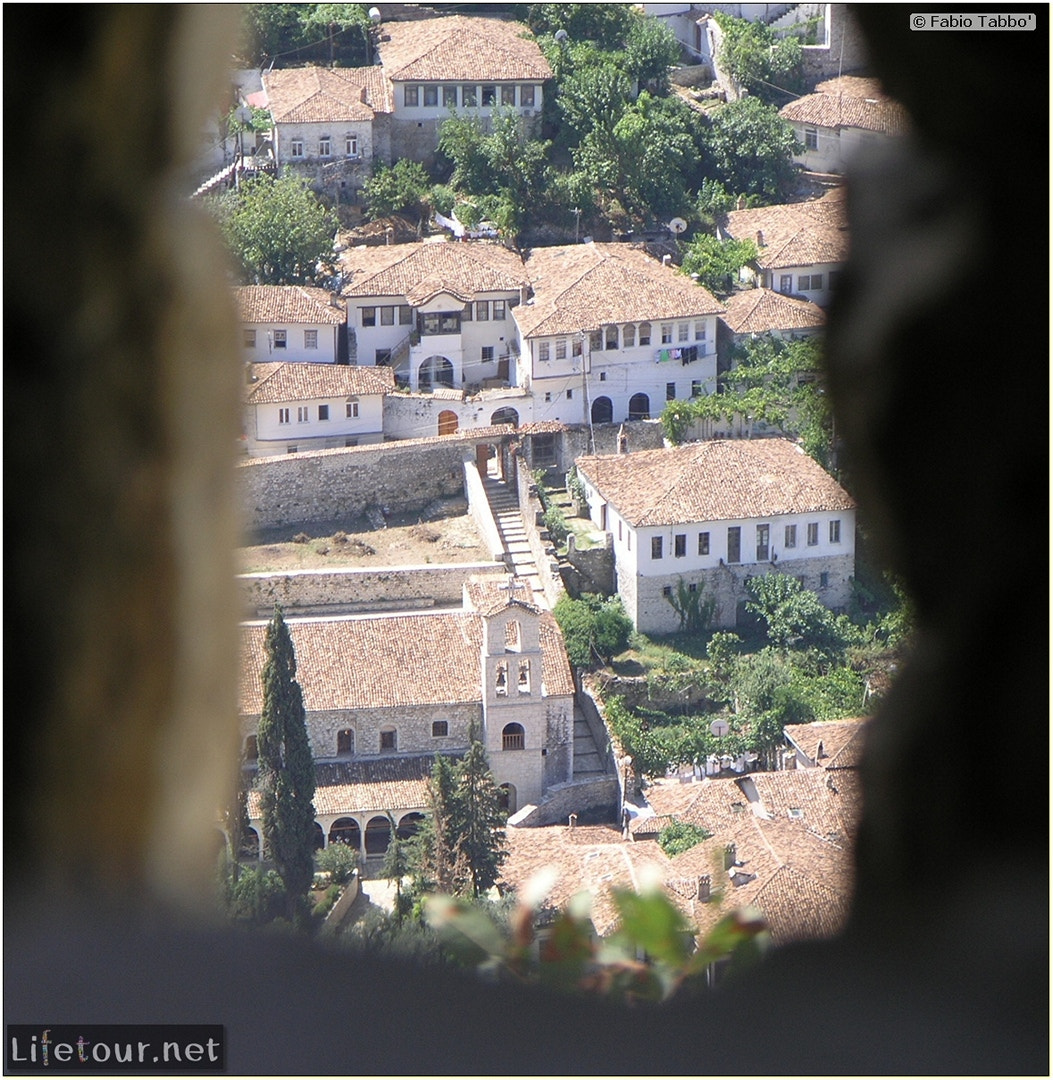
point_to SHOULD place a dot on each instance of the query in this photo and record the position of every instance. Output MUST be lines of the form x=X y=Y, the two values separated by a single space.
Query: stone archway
x=448 y=422
x=250 y=844
x=506 y=415
x=602 y=411
x=408 y=825
x=378 y=835
x=345 y=830
x=639 y=407
x=319 y=837
x=433 y=372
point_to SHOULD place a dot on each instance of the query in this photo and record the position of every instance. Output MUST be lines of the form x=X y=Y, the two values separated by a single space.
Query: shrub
x=681 y=836
x=301 y=538
x=326 y=904
x=340 y=860
x=556 y=523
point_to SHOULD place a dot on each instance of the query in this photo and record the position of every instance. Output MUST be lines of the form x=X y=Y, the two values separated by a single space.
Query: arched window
x=629 y=335
x=378 y=835
x=408 y=825
x=602 y=410
x=501 y=680
x=524 y=676
x=512 y=638
x=345 y=741
x=645 y=333
x=513 y=737
x=506 y=794
x=345 y=830
x=639 y=407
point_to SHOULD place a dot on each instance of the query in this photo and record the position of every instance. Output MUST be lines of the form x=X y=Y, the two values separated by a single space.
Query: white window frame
x=310 y=339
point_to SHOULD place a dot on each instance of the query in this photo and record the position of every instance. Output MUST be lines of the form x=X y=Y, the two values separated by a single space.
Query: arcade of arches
x=368 y=833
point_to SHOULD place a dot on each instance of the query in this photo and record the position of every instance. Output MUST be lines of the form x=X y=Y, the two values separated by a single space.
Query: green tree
x=681 y=836
x=693 y=607
x=437 y=861
x=608 y=25
x=794 y=617
x=277 y=231
x=768 y=67
x=397 y=865
x=651 y=49
x=751 y=149
x=404 y=187
x=717 y=262
x=286 y=770
x=479 y=819
x=593 y=628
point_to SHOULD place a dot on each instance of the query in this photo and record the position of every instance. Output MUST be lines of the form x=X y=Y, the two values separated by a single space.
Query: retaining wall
x=575 y=797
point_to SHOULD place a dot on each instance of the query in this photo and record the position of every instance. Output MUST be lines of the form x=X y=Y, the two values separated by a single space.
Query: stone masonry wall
x=540 y=545
x=593 y=797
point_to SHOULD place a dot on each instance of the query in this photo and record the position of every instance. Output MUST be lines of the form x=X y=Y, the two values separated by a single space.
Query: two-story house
x=839 y=118
x=801 y=247
x=762 y=312
x=708 y=515
x=458 y=64
x=439 y=314
x=297 y=407
x=291 y=323
x=384 y=693
x=611 y=334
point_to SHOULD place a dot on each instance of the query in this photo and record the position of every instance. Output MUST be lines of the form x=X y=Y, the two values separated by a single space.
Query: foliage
x=286 y=769
x=479 y=819
x=327 y=903
x=305 y=33
x=556 y=523
x=593 y=627
x=750 y=149
x=339 y=860
x=397 y=864
x=717 y=262
x=693 y=607
x=277 y=231
x=257 y=897
x=576 y=486
x=404 y=187
x=681 y=836
x=607 y=25
x=794 y=617
x=768 y=67
x=436 y=858
x=651 y=49
x=722 y=649
x=574 y=959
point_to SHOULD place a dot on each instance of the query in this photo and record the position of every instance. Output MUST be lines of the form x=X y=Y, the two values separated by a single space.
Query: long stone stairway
x=505 y=507
x=588 y=763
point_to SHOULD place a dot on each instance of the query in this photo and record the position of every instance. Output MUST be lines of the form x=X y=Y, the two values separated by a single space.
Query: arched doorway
x=378 y=835
x=639 y=407
x=448 y=422
x=507 y=795
x=250 y=844
x=345 y=830
x=409 y=825
x=602 y=411
x=505 y=416
x=319 y=837
x=435 y=371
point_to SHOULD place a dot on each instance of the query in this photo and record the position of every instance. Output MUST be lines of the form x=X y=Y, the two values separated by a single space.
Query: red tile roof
x=313 y=95
x=795 y=234
x=301 y=381
x=296 y=304
x=760 y=311
x=852 y=102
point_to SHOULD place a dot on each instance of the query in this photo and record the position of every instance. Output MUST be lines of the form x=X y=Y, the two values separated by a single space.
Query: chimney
x=740 y=203
x=572 y=821
x=524 y=293
x=730 y=856
x=703 y=888
x=760 y=238
x=389 y=234
x=623 y=441
x=667 y=259
x=334 y=299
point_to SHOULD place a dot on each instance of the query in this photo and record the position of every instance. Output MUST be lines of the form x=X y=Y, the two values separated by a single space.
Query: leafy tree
x=235 y=818
x=751 y=149
x=768 y=67
x=651 y=49
x=277 y=231
x=340 y=860
x=404 y=187
x=397 y=865
x=436 y=856
x=592 y=627
x=479 y=819
x=681 y=836
x=794 y=617
x=608 y=25
x=305 y=33
x=717 y=262
x=693 y=607
x=286 y=769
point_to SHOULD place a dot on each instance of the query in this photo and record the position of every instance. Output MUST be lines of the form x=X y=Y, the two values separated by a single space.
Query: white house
x=801 y=247
x=611 y=334
x=384 y=693
x=297 y=407
x=708 y=515
x=291 y=323
x=839 y=118
x=762 y=312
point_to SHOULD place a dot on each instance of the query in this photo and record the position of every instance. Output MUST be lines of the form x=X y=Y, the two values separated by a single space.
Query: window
x=248 y=339
x=468 y=95
x=405 y=315
x=595 y=340
x=411 y=97
x=763 y=537
x=508 y=95
x=577 y=344
x=296 y=148
x=696 y=387
x=542 y=350
x=645 y=333
x=499 y=310
x=449 y=97
x=789 y=538
x=345 y=741
x=351 y=145
x=489 y=95
x=734 y=544
x=824 y=579
x=806 y=282
x=381 y=357
x=693 y=587
x=310 y=339
x=700 y=331
x=682 y=331
x=813 y=533
x=526 y=96
x=351 y=442
x=603 y=376
x=487 y=354
x=656 y=547
x=570 y=395
x=670 y=391
x=466 y=312
x=611 y=337
x=811 y=138
x=835 y=532
x=482 y=310
x=303 y=414
x=387 y=316
x=283 y=416
x=441 y=322
x=703 y=543
x=628 y=335
x=667 y=333
x=325 y=146
x=786 y=283
x=667 y=590
x=369 y=316
x=323 y=412
x=388 y=739
x=561 y=348
x=279 y=339
x=431 y=97
x=440 y=729
x=513 y=737
x=548 y=395
x=291 y=449
x=252 y=749
x=352 y=410
x=680 y=545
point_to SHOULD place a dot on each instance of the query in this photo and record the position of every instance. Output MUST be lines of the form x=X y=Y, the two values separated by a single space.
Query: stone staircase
x=588 y=763
x=505 y=507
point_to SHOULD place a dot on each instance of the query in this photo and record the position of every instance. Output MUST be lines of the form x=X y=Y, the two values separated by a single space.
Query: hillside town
x=481 y=420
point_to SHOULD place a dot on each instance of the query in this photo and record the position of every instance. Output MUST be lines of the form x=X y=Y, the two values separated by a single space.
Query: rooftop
x=274 y=383
x=317 y=95
x=759 y=311
x=795 y=234
x=841 y=741
x=715 y=480
x=288 y=304
x=849 y=101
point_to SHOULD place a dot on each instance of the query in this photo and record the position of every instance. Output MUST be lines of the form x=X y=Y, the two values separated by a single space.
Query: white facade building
x=291 y=323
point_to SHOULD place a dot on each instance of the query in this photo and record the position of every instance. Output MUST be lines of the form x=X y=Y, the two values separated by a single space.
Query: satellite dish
x=374 y=15
x=560 y=36
x=719 y=728
x=678 y=225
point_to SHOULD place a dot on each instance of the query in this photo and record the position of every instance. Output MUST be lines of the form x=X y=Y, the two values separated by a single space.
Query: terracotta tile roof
x=852 y=102
x=584 y=286
x=542 y=427
x=288 y=304
x=420 y=271
x=299 y=381
x=759 y=311
x=490 y=595
x=461 y=48
x=842 y=741
x=715 y=480
x=317 y=95
x=795 y=234
x=824 y=802
x=388 y=661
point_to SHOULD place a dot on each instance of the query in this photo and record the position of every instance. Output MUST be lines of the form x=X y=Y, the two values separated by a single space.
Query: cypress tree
x=479 y=819
x=436 y=856
x=286 y=770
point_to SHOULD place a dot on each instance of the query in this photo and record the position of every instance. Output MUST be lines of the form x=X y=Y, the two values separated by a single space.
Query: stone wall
x=845 y=52
x=480 y=510
x=537 y=536
x=596 y=798
x=381 y=588
x=592 y=568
